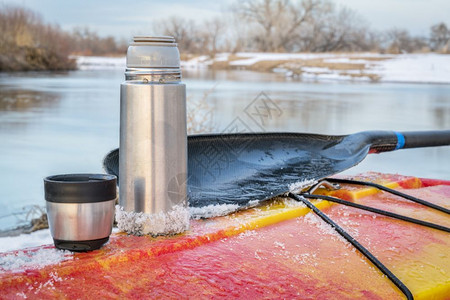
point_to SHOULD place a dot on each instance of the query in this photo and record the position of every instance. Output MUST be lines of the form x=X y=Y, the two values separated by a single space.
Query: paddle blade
x=247 y=168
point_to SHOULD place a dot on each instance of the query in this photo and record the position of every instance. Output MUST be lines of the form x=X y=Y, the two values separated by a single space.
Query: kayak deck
x=275 y=250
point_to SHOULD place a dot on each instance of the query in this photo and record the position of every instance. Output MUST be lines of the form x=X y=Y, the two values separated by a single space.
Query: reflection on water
x=18 y=107
x=65 y=123
x=23 y=100
x=441 y=110
x=334 y=107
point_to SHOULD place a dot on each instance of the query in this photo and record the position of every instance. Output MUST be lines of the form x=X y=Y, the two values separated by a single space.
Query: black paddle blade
x=243 y=168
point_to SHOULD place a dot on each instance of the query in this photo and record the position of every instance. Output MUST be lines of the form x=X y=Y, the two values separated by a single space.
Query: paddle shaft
x=382 y=141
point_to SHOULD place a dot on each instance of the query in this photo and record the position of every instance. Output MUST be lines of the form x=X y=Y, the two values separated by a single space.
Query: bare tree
x=181 y=29
x=440 y=38
x=213 y=31
x=26 y=43
x=344 y=32
x=276 y=20
x=195 y=38
x=307 y=25
x=400 y=41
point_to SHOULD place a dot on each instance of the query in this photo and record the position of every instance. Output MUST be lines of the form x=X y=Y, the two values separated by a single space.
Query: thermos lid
x=153 y=52
x=153 y=39
x=80 y=188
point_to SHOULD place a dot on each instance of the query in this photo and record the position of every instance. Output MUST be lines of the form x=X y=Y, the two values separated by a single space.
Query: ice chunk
x=300 y=185
x=34 y=239
x=33 y=259
x=211 y=211
x=162 y=223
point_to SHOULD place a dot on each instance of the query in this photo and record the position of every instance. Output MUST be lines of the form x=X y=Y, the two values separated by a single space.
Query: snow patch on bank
x=250 y=58
x=415 y=68
x=100 y=62
x=200 y=62
x=405 y=68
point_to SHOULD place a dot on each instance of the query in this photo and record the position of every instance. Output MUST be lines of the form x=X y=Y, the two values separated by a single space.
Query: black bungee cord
x=302 y=198
x=401 y=286
x=377 y=211
x=392 y=191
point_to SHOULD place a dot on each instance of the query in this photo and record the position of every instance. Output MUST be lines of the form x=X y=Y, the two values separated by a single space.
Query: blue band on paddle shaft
x=400 y=140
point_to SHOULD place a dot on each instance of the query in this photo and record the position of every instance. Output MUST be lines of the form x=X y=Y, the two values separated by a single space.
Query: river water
x=53 y=123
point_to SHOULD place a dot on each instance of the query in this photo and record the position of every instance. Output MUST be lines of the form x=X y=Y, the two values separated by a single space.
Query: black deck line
x=378 y=211
x=392 y=191
x=402 y=287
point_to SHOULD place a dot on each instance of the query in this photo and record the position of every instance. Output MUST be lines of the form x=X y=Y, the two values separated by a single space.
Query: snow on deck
x=33 y=259
x=37 y=238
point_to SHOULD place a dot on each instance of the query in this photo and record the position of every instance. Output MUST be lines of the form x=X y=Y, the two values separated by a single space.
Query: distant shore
x=358 y=67
x=34 y=59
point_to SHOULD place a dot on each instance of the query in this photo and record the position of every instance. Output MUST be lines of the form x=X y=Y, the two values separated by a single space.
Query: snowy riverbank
x=413 y=68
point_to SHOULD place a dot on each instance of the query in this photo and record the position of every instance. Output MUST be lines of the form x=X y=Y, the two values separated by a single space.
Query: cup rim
x=80 y=188
x=79 y=178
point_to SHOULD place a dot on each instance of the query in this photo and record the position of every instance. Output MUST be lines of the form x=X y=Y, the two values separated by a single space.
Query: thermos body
x=153 y=146
x=153 y=138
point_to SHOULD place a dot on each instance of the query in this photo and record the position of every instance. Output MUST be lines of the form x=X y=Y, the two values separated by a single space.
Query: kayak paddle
x=243 y=169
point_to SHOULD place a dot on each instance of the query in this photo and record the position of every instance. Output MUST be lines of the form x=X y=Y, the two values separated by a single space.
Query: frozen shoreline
x=368 y=67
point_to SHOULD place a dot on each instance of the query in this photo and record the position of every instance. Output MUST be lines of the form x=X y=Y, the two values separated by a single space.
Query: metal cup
x=80 y=209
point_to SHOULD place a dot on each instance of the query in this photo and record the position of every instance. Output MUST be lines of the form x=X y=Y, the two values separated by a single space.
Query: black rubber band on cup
x=80 y=188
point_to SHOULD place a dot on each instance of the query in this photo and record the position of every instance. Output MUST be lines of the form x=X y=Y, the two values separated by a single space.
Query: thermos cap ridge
x=153 y=39
x=153 y=52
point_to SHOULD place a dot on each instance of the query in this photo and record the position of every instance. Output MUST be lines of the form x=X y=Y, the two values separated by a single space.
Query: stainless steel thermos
x=153 y=138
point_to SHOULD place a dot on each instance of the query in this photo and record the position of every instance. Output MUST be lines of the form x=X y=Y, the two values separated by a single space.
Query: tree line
x=295 y=26
x=28 y=43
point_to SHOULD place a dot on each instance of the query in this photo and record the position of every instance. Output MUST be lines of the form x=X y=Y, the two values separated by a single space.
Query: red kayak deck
x=279 y=250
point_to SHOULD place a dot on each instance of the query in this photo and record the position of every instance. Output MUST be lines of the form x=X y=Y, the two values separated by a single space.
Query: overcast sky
x=127 y=18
